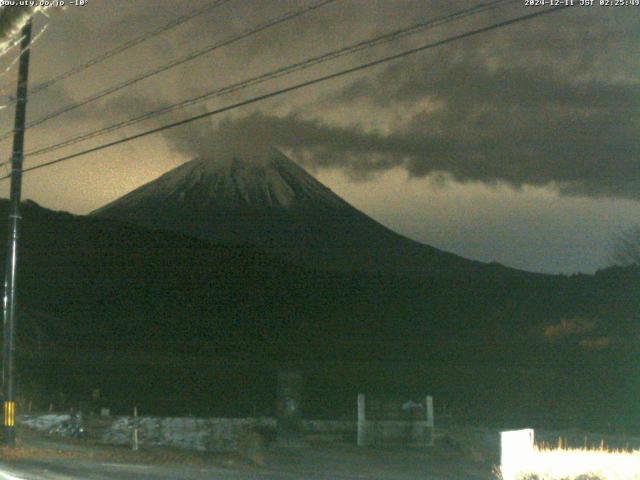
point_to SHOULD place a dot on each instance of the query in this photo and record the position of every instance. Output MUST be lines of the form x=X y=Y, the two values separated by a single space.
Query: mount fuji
x=133 y=309
x=264 y=199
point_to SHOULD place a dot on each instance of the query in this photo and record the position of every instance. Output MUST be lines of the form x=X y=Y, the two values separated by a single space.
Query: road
x=43 y=457
x=303 y=463
x=47 y=470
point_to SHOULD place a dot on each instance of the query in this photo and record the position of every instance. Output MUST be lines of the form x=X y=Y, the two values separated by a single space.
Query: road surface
x=313 y=464
x=47 y=458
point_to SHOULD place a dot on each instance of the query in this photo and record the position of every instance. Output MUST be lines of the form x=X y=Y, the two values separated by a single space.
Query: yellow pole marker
x=9 y=414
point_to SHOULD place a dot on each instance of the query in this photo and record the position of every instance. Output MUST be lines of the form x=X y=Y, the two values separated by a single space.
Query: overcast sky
x=518 y=145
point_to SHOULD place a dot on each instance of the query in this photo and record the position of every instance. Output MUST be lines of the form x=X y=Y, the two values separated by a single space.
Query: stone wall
x=203 y=434
x=220 y=434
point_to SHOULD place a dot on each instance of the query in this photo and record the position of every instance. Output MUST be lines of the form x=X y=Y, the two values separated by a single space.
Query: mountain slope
x=180 y=325
x=268 y=201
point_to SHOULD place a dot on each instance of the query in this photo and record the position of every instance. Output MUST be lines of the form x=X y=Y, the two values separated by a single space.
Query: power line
x=283 y=71
x=301 y=85
x=125 y=46
x=184 y=59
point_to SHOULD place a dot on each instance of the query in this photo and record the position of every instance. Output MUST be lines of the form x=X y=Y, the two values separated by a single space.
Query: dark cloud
x=522 y=125
x=580 y=149
x=562 y=139
x=558 y=114
x=525 y=106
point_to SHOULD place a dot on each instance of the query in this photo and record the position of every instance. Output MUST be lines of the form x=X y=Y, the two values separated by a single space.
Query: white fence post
x=430 y=420
x=516 y=451
x=134 y=433
x=362 y=420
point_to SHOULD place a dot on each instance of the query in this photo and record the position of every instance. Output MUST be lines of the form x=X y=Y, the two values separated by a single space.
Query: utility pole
x=9 y=299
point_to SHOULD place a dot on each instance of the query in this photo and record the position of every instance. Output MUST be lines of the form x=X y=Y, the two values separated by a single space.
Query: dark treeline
x=183 y=326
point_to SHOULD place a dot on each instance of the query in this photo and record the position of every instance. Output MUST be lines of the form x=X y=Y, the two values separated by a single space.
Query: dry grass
x=20 y=452
x=575 y=464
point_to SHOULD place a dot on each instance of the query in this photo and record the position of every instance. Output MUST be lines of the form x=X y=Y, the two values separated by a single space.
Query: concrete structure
x=226 y=434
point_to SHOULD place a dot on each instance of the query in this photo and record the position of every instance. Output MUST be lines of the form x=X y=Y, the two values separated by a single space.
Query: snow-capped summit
x=268 y=182
x=266 y=199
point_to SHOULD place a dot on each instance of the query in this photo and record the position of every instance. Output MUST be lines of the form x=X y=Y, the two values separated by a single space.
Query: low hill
x=166 y=320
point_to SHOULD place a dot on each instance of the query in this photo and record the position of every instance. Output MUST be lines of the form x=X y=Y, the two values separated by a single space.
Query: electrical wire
x=122 y=48
x=301 y=85
x=180 y=61
x=303 y=65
